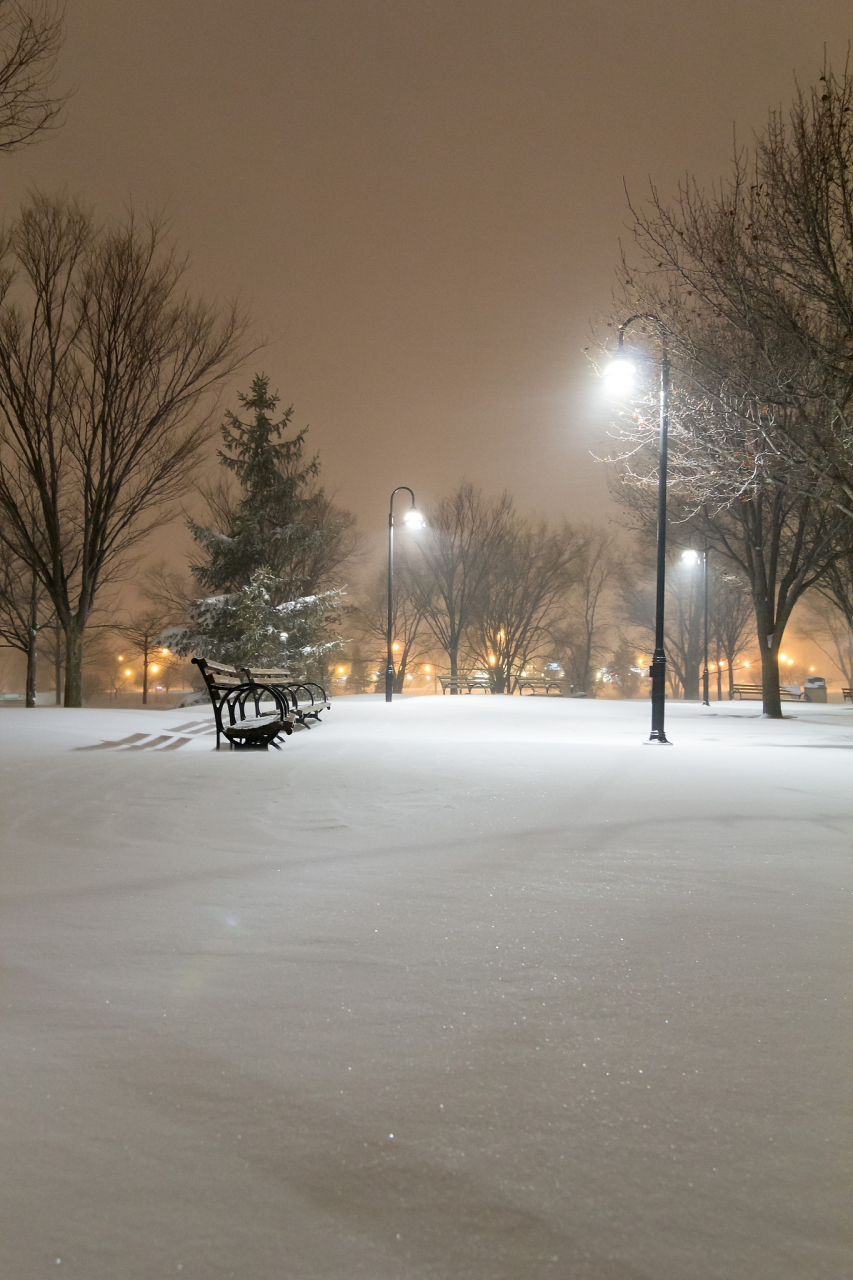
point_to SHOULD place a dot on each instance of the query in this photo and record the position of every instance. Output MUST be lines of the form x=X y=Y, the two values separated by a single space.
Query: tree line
x=110 y=377
x=749 y=285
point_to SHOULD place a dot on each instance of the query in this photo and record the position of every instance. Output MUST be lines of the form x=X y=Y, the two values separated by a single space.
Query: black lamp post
x=414 y=520
x=657 y=671
x=706 y=701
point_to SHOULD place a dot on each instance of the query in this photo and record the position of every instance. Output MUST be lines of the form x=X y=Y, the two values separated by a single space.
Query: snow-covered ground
x=456 y=989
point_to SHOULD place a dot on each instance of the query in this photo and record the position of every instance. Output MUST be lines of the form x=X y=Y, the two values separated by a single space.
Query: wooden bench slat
x=740 y=691
x=228 y=690
x=279 y=679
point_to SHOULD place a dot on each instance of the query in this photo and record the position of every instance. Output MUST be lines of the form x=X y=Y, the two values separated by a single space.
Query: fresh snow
x=457 y=989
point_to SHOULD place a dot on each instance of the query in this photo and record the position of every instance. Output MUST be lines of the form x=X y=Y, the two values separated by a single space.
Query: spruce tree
x=274 y=523
x=279 y=540
x=247 y=628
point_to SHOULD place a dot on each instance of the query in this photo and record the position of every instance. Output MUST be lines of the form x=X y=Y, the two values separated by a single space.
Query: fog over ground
x=453 y=989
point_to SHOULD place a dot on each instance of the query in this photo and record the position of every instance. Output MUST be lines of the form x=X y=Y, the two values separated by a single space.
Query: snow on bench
x=304 y=698
x=230 y=693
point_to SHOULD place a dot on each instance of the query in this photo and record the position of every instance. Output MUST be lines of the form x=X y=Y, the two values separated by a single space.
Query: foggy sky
x=421 y=203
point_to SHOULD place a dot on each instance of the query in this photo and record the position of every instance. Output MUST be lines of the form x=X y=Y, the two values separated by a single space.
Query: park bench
x=230 y=694
x=787 y=692
x=304 y=697
x=847 y=695
x=540 y=687
x=466 y=682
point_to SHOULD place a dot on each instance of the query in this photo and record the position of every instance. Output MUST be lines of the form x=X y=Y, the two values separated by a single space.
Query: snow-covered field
x=456 y=989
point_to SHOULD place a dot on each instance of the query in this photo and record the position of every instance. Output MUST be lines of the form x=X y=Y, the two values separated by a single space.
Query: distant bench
x=787 y=692
x=541 y=687
x=469 y=681
x=847 y=695
x=465 y=681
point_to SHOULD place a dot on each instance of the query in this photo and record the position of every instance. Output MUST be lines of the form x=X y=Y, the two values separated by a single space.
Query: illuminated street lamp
x=620 y=376
x=412 y=520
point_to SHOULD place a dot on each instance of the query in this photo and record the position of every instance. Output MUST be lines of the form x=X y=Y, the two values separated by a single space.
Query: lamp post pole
x=389 y=666
x=705 y=693
x=657 y=671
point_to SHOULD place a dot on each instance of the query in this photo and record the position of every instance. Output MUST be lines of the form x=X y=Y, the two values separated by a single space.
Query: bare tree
x=752 y=283
x=684 y=616
x=30 y=39
x=142 y=631
x=463 y=531
x=169 y=591
x=732 y=621
x=105 y=368
x=581 y=639
x=779 y=540
x=531 y=570
x=52 y=645
x=836 y=586
x=370 y=622
x=24 y=611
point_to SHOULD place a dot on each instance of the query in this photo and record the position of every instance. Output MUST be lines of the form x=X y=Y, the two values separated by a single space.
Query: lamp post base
x=661 y=741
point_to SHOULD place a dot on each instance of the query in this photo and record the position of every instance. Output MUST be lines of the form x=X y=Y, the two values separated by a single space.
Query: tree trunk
x=453 y=655
x=32 y=642
x=770 y=682
x=57 y=660
x=73 y=665
x=31 y=667
x=145 y=678
x=691 y=680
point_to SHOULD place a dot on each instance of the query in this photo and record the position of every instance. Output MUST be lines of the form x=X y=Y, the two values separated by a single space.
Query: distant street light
x=692 y=557
x=412 y=520
x=619 y=377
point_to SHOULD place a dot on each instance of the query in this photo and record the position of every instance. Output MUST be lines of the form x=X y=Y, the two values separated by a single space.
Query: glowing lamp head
x=690 y=556
x=620 y=376
x=413 y=519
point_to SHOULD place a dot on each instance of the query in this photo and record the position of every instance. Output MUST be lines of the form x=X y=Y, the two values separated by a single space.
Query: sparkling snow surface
x=458 y=989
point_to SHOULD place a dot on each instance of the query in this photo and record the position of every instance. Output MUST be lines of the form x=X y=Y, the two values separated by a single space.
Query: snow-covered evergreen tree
x=280 y=520
x=248 y=628
x=278 y=544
